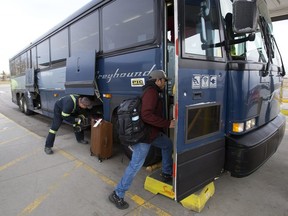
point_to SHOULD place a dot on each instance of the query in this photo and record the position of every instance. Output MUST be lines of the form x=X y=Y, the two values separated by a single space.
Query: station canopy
x=278 y=9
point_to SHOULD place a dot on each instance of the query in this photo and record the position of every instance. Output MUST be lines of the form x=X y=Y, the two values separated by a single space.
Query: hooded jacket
x=152 y=109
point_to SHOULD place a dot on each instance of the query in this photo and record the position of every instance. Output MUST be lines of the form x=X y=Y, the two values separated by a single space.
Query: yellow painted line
x=37 y=202
x=141 y=202
x=135 y=198
x=12 y=163
x=25 y=129
x=14 y=139
x=32 y=206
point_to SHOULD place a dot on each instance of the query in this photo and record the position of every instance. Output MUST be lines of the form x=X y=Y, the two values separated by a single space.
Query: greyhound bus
x=225 y=68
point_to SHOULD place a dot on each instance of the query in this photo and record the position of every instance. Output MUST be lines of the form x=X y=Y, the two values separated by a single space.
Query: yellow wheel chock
x=195 y=202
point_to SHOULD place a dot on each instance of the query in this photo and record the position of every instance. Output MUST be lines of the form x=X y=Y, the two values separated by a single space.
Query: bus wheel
x=116 y=140
x=26 y=111
x=153 y=156
x=20 y=104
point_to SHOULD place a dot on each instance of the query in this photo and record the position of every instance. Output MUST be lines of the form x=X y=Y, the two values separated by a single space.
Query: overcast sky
x=23 y=21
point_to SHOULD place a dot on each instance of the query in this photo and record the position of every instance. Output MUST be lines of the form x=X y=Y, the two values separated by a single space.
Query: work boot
x=82 y=141
x=166 y=177
x=119 y=202
x=48 y=150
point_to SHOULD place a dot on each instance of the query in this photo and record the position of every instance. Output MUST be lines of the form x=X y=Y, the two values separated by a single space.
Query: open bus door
x=200 y=74
x=200 y=82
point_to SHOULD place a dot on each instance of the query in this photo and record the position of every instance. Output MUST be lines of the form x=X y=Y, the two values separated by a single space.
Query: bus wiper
x=250 y=37
x=268 y=44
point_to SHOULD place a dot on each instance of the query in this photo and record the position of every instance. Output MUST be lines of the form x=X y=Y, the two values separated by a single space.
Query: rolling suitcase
x=101 y=139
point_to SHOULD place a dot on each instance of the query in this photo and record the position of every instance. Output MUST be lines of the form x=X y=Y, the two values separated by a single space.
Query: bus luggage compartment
x=246 y=153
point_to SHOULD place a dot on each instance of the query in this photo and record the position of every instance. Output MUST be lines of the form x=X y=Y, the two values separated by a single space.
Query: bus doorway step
x=154 y=183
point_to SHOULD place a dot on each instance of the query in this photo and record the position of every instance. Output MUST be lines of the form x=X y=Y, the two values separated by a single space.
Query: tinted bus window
x=202 y=121
x=128 y=23
x=196 y=33
x=59 y=47
x=85 y=34
x=12 y=68
x=34 y=57
x=43 y=54
x=18 y=65
x=24 y=62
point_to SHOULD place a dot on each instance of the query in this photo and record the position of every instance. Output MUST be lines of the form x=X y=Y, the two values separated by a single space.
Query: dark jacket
x=152 y=109
x=68 y=107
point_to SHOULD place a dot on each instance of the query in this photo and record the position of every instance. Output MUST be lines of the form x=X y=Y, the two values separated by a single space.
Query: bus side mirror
x=245 y=16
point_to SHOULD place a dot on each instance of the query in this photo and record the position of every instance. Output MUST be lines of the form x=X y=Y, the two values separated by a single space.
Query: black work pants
x=56 y=123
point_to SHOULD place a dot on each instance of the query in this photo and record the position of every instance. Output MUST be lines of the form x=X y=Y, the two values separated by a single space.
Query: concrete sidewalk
x=71 y=182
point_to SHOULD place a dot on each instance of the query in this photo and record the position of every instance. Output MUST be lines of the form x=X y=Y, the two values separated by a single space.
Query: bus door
x=80 y=74
x=199 y=143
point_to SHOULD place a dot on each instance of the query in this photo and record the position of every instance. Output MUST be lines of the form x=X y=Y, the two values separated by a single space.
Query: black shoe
x=48 y=150
x=119 y=202
x=166 y=177
x=82 y=141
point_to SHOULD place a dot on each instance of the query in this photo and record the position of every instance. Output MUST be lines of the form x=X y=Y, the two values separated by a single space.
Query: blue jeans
x=139 y=154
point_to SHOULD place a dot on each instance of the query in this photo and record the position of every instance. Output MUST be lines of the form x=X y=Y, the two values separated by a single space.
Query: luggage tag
x=98 y=121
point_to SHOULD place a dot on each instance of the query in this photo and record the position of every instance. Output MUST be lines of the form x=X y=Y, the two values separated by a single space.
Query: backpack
x=131 y=128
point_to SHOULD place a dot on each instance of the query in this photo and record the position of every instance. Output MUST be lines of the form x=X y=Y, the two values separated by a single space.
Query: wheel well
x=18 y=97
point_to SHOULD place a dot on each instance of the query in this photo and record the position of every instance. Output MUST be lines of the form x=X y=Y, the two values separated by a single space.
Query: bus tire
x=25 y=109
x=20 y=104
x=114 y=120
x=154 y=155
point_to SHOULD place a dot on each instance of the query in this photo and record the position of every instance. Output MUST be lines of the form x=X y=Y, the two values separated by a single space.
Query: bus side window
x=59 y=48
x=43 y=54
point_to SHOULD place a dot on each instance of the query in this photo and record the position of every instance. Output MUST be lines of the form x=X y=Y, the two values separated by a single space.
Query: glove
x=77 y=129
x=78 y=121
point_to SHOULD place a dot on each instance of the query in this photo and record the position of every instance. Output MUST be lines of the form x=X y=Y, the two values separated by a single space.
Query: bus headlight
x=241 y=127
x=238 y=127
x=250 y=124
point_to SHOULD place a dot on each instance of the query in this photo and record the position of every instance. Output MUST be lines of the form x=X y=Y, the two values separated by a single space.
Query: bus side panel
x=48 y=100
x=124 y=75
x=51 y=88
x=17 y=86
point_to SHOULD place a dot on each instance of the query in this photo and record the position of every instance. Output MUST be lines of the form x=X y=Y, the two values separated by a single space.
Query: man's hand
x=172 y=123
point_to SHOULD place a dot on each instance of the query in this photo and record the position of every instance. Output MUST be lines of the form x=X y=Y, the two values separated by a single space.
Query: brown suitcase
x=101 y=139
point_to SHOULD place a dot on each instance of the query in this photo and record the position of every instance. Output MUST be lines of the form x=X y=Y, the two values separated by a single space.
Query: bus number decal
x=137 y=82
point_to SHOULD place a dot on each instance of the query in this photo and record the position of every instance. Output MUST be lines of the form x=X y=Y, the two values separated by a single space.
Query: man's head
x=159 y=76
x=85 y=103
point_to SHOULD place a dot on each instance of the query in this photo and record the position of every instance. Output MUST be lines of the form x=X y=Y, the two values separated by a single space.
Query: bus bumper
x=245 y=154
